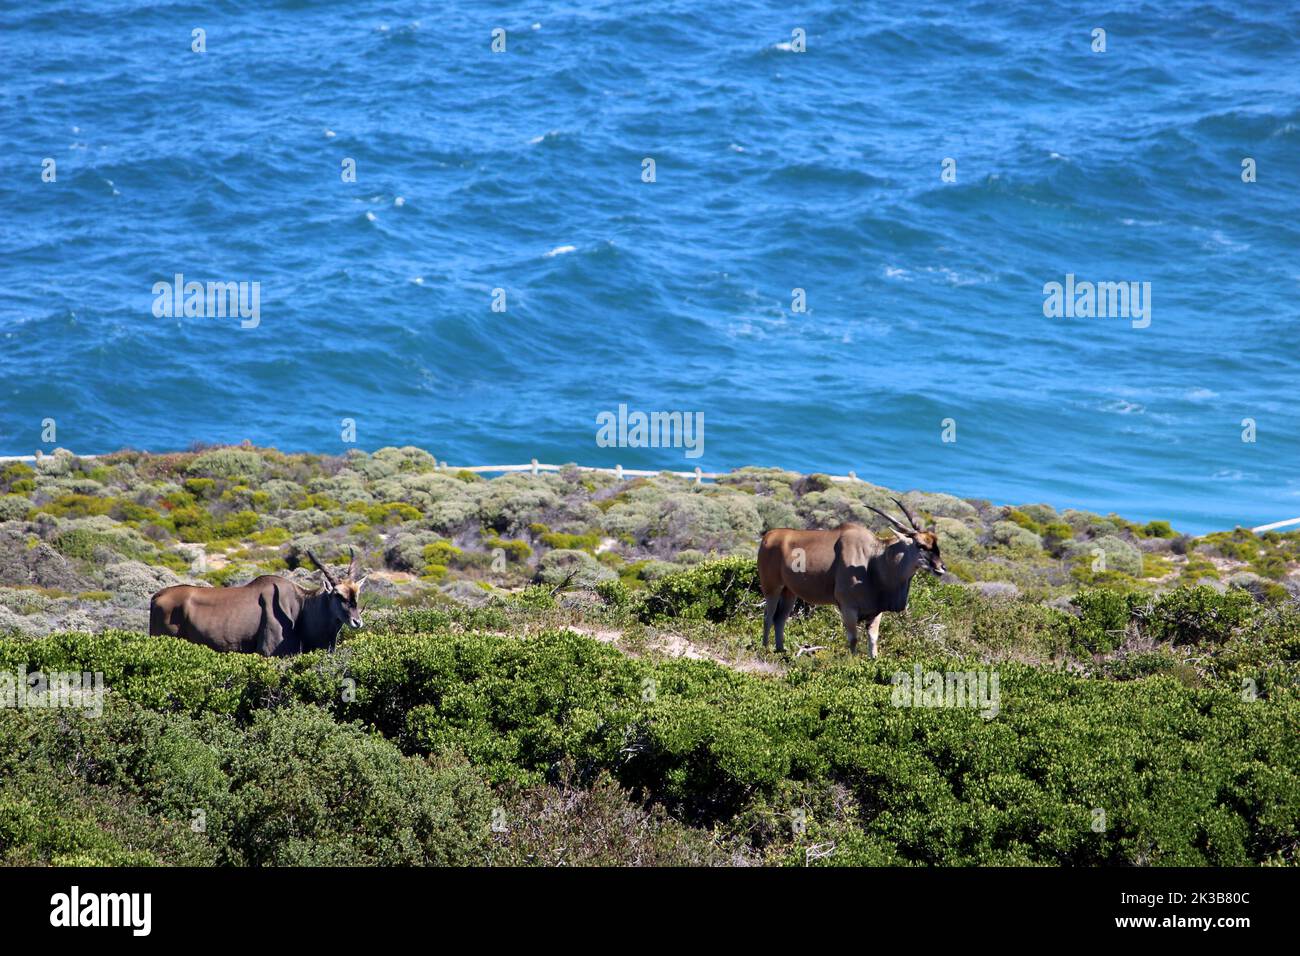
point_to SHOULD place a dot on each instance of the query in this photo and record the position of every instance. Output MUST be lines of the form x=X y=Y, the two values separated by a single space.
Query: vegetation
x=400 y=748
x=566 y=669
x=225 y=515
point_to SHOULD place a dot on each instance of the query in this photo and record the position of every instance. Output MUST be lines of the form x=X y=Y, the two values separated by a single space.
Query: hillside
x=85 y=541
x=567 y=669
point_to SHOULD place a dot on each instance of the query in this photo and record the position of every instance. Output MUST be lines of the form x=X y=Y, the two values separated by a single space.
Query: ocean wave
x=776 y=171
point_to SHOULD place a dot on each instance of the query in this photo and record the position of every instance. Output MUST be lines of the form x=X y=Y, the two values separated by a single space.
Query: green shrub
x=236 y=464
x=200 y=487
x=1118 y=555
x=1184 y=615
x=613 y=592
x=48 y=818
x=230 y=575
x=1157 y=529
x=1156 y=565
x=132 y=513
x=271 y=537
x=80 y=543
x=1239 y=545
x=389 y=512
x=1055 y=534
x=439 y=556
x=239 y=525
x=161 y=674
x=192 y=523
x=575 y=568
x=77 y=506
x=571 y=542
x=17 y=478
x=1025 y=521
x=713 y=591
x=1016 y=539
x=13 y=507
x=1185 y=775
x=306 y=791
x=293 y=788
x=938 y=786
x=1197 y=568
x=536 y=597
x=955 y=537
x=1198 y=615
x=515 y=549
x=1103 y=621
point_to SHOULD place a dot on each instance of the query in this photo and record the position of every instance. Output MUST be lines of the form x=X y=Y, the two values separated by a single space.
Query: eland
x=848 y=567
x=269 y=615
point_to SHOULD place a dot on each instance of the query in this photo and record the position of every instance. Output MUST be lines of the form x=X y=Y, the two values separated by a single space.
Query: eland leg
x=783 y=610
x=850 y=618
x=873 y=632
x=773 y=601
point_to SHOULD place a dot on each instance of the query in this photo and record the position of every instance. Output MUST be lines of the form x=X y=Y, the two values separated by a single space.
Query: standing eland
x=269 y=615
x=848 y=567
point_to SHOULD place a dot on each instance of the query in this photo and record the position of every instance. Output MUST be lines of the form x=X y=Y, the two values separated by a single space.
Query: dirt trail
x=674 y=645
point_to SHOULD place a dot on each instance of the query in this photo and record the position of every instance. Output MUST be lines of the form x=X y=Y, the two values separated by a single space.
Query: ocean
x=836 y=258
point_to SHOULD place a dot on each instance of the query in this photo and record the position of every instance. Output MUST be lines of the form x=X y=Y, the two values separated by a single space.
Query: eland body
x=269 y=615
x=849 y=567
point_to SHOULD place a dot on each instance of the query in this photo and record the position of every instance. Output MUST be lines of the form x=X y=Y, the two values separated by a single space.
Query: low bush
x=714 y=591
x=1184 y=775
x=49 y=818
x=1198 y=615
x=568 y=824
x=1103 y=621
x=77 y=506
x=293 y=787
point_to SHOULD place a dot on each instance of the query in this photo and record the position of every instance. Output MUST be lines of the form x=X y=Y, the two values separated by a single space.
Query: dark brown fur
x=848 y=567
x=269 y=615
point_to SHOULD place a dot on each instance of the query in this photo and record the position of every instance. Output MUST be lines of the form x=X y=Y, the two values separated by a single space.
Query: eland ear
x=361 y=581
x=327 y=585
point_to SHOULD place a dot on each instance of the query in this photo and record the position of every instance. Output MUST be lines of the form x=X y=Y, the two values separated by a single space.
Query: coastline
x=122 y=525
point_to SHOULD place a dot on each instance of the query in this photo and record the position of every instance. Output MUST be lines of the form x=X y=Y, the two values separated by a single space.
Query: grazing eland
x=269 y=615
x=848 y=567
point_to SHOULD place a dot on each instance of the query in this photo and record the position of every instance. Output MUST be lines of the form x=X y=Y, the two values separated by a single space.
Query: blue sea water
x=775 y=170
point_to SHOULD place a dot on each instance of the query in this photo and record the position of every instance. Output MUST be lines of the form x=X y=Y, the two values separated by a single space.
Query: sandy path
x=674 y=645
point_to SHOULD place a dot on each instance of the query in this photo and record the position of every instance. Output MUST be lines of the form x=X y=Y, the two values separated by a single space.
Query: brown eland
x=269 y=615
x=848 y=567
